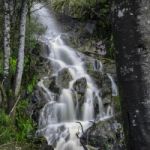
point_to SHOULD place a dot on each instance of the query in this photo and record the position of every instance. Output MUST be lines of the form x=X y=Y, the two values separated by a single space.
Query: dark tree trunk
x=132 y=42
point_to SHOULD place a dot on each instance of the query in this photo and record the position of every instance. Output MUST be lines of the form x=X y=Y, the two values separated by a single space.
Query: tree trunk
x=132 y=42
x=6 y=39
x=20 y=60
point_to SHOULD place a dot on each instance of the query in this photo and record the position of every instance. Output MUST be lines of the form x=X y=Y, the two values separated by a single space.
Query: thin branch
x=14 y=107
x=77 y=134
x=81 y=127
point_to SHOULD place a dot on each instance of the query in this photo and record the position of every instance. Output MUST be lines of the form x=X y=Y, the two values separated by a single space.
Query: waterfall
x=57 y=122
x=113 y=85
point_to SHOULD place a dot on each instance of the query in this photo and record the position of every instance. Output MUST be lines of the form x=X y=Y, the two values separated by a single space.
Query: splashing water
x=57 y=122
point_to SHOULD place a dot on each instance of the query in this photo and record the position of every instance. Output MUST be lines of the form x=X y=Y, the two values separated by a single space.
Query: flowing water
x=58 y=119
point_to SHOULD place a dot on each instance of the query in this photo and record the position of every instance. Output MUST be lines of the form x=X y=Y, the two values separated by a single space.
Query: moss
x=117 y=105
x=83 y=9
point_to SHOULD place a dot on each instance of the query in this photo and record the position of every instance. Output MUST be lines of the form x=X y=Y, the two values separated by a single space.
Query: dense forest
x=74 y=75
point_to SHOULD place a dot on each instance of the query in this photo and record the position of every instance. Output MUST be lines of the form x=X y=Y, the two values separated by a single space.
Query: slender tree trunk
x=6 y=39
x=132 y=42
x=20 y=60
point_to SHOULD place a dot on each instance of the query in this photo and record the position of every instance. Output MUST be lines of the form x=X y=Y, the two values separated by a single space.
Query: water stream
x=58 y=119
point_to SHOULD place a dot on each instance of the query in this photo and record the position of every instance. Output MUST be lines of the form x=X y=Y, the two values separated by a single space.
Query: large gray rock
x=106 y=88
x=107 y=134
x=39 y=99
x=43 y=67
x=80 y=85
x=53 y=86
x=63 y=78
x=40 y=64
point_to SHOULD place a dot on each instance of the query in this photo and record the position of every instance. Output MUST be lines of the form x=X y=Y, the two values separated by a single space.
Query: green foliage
x=33 y=31
x=7 y=130
x=25 y=125
x=19 y=129
x=83 y=9
x=117 y=104
x=31 y=84
x=97 y=10
x=13 y=63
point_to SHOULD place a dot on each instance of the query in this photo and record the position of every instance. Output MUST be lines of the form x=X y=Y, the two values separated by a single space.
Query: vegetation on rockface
x=82 y=9
x=98 y=15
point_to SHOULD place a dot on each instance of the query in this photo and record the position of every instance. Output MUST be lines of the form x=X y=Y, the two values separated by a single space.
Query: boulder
x=107 y=134
x=107 y=99
x=80 y=85
x=79 y=99
x=63 y=78
x=54 y=87
x=39 y=99
x=106 y=86
x=47 y=81
x=42 y=67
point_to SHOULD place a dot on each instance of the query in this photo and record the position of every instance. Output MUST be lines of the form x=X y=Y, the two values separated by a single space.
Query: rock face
x=53 y=86
x=106 y=134
x=39 y=99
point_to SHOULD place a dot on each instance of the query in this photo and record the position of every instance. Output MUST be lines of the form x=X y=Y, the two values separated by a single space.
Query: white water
x=58 y=118
x=113 y=85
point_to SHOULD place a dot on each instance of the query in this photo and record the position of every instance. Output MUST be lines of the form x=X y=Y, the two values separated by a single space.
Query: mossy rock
x=63 y=78
x=105 y=135
x=80 y=85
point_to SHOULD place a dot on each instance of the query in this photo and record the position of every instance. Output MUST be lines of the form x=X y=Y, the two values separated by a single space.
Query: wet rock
x=94 y=70
x=54 y=134
x=90 y=27
x=107 y=99
x=109 y=66
x=47 y=81
x=79 y=99
x=39 y=99
x=80 y=85
x=43 y=67
x=40 y=64
x=106 y=86
x=45 y=146
x=41 y=49
x=54 y=87
x=63 y=78
x=101 y=48
x=107 y=134
x=45 y=52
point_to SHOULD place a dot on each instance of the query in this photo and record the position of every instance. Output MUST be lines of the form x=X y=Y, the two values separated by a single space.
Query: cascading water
x=58 y=118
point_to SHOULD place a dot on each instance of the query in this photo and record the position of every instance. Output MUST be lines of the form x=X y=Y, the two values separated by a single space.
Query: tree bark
x=20 y=60
x=132 y=42
x=6 y=39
